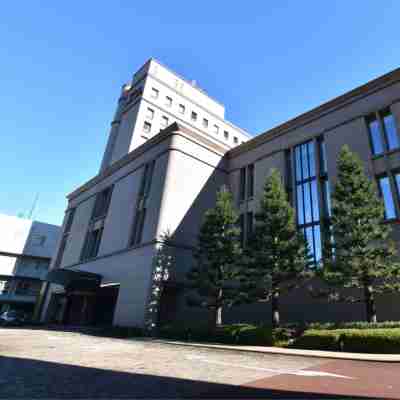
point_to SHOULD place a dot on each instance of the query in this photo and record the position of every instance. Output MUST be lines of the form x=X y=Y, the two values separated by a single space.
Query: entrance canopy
x=74 y=280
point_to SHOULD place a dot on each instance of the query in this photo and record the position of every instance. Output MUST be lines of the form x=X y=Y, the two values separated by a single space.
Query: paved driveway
x=52 y=364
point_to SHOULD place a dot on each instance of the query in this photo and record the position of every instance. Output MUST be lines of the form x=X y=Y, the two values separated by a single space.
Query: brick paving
x=42 y=363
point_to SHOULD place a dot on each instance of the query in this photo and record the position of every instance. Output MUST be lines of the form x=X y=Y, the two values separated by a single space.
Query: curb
x=391 y=358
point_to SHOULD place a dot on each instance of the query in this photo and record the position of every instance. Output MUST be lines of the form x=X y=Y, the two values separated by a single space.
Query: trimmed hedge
x=377 y=340
x=318 y=340
x=354 y=325
x=243 y=334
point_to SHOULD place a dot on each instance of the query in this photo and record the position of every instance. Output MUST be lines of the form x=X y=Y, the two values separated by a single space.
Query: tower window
x=154 y=93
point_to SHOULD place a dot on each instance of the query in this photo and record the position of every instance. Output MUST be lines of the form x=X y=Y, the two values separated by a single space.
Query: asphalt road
x=43 y=363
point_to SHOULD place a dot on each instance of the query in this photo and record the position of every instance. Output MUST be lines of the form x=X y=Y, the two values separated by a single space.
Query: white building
x=157 y=97
x=161 y=175
x=26 y=248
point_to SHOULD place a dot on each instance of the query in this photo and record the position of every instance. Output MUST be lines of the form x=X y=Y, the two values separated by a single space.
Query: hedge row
x=376 y=340
x=354 y=325
x=243 y=334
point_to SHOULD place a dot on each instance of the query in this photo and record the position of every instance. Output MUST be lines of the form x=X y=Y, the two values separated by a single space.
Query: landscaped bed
x=357 y=337
x=378 y=340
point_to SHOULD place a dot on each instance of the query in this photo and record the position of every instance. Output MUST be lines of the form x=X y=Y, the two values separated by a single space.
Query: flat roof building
x=164 y=177
x=26 y=248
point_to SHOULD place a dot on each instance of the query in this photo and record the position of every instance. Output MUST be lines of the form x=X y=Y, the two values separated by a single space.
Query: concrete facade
x=188 y=164
x=26 y=248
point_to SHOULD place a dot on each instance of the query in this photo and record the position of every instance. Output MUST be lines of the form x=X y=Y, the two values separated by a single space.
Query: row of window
x=96 y=224
x=383 y=133
x=309 y=169
x=215 y=129
x=312 y=191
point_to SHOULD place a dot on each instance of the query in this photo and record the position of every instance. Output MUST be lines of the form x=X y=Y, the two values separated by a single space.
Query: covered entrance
x=84 y=301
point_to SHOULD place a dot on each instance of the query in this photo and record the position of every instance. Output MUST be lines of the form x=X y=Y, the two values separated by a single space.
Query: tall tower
x=154 y=99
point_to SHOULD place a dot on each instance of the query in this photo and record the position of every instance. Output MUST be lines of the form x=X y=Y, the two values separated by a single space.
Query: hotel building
x=169 y=151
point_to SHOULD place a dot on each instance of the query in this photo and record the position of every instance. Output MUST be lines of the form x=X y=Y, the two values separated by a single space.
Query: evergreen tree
x=218 y=249
x=277 y=256
x=361 y=255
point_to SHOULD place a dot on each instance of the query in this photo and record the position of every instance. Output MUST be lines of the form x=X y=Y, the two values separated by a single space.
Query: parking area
x=42 y=363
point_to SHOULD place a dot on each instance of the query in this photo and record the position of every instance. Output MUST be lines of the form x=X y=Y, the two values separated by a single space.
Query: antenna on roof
x=33 y=206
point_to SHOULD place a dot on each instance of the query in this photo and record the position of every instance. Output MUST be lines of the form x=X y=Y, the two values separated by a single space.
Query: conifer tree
x=277 y=256
x=217 y=252
x=362 y=256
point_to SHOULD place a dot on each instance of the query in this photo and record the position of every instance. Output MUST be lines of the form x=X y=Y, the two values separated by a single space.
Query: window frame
x=379 y=178
x=155 y=93
x=383 y=136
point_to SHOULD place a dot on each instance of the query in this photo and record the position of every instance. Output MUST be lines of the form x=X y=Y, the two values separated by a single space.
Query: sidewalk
x=394 y=358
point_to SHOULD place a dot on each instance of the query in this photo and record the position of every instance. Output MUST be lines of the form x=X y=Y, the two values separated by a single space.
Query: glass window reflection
x=386 y=192
x=376 y=138
x=390 y=131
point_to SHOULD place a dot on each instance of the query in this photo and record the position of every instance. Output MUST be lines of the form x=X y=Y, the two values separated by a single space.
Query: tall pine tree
x=277 y=256
x=362 y=256
x=217 y=252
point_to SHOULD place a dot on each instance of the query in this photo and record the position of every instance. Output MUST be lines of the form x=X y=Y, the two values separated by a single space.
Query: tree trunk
x=370 y=303
x=215 y=318
x=216 y=313
x=275 y=309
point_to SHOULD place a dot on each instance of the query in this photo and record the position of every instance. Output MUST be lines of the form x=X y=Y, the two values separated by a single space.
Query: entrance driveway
x=41 y=363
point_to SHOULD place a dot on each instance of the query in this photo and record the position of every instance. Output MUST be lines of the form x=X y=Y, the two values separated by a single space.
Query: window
x=375 y=135
x=95 y=230
x=70 y=219
x=194 y=116
x=181 y=108
x=307 y=200
x=141 y=205
x=216 y=129
x=38 y=240
x=147 y=127
x=386 y=193
x=164 y=122
x=241 y=228
x=249 y=225
x=205 y=123
x=138 y=227
x=64 y=239
x=389 y=127
x=146 y=179
x=235 y=140
x=150 y=113
x=24 y=288
x=250 y=181
x=226 y=135
x=154 y=93
x=92 y=244
x=168 y=101
x=246 y=183
x=397 y=179
x=383 y=132
x=101 y=203
x=242 y=184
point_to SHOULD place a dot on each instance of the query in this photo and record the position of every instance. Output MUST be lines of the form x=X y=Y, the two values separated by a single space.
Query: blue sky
x=62 y=65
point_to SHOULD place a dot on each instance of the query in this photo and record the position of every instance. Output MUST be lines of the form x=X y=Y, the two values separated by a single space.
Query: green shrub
x=318 y=340
x=243 y=334
x=355 y=325
x=376 y=340
x=371 y=340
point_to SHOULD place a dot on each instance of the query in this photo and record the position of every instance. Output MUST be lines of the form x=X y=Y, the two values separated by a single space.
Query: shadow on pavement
x=27 y=378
